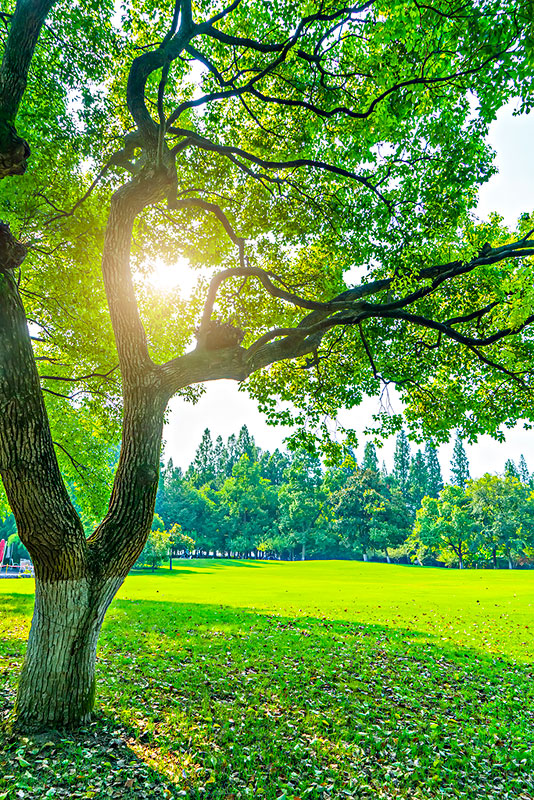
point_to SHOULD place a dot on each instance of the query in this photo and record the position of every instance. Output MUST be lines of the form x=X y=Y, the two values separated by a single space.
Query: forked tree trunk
x=76 y=578
x=57 y=683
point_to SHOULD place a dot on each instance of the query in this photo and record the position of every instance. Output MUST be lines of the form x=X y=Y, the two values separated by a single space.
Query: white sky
x=224 y=409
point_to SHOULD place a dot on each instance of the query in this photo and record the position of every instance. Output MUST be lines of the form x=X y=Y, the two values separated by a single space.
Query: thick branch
x=25 y=27
x=46 y=520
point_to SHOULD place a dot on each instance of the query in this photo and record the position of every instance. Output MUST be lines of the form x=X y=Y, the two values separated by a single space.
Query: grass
x=277 y=680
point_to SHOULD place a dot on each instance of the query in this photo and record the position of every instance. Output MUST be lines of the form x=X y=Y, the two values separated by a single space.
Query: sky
x=224 y=409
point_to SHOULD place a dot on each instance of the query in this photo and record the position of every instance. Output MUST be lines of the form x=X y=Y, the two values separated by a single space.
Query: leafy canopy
x=314 y=141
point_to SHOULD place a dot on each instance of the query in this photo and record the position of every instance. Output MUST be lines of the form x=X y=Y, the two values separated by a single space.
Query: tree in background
x=157 y=547
x=220 y=461
x=503 y=509
x=401 y=461
x=444 y=528
x=370 y=458
x=315 y=143
x=179 y=541
x=510 y=469
x=274 y=465
x=417 y=485
x=369 y=514
x=203 y=466
x=302 y=500
x=524 y=474
x=435 y=480
x=459 y=464
x=249 y=504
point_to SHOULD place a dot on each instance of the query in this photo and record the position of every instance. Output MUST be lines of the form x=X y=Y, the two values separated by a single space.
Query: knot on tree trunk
x=14 y=152
x=12 y=252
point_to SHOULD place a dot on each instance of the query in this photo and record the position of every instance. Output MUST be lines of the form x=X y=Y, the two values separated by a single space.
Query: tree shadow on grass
x=220 y=702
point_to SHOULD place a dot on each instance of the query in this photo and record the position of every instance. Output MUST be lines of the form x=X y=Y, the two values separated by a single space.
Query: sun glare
x=166 y=276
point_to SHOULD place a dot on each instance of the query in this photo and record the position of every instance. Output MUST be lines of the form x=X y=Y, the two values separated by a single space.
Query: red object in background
x=2 y=550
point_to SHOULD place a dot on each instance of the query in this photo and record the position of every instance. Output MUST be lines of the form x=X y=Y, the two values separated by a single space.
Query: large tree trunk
x=76 y=578
x=57 y=683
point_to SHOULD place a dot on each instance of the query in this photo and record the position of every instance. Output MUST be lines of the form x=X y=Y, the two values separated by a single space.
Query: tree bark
x=57 y=683
x=25 y=27
x=76 y=578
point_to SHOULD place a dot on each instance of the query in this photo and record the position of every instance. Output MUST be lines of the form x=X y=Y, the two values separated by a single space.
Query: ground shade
x=294 y=680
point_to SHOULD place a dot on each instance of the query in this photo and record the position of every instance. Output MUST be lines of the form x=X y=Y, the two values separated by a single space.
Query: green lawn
x=305 y=680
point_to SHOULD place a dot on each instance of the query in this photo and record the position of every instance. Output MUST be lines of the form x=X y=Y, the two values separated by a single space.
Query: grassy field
x=305 y=680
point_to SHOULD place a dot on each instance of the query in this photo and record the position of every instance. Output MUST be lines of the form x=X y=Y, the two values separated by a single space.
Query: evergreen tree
x=401 y=461
x=231 y=454
x=220 y=461
x=249 y=503
x=202 y=468
x=524 y=474
x=370 y=458
x=301 y=503
x=245 y=445
x=510 y=469
x=435 y=479
x=370 y=514
x=273 y=465
x=417 y=480
x=459 y=464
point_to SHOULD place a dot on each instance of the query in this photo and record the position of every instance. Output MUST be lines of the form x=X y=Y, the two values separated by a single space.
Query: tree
x=178 y=540
x=370 y=515
x=524 y=474
x=435 y=480
x=444 y=527
x=273 y=466
x=301 y=501
x=220 y=460
x=401 y=461
x=248 y=503
x=156 y=549
x=459 y=464
x=370 y=458
x=203 y=467
x=510 y=469
x=315 y=143
x=504 y=511
x=418 y=480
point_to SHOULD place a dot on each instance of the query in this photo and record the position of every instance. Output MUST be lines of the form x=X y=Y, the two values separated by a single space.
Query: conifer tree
x=220 y=459
x=510 y=469
x=459 y=464
x=524 y=474
x=245 y=445
x=435 y=478
x=417 y=480
x=231 y=451
x=370 y=458
x=401 y=461
x=202 y=468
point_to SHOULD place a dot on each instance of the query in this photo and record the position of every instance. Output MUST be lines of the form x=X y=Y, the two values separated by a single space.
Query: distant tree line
x=236 y=500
